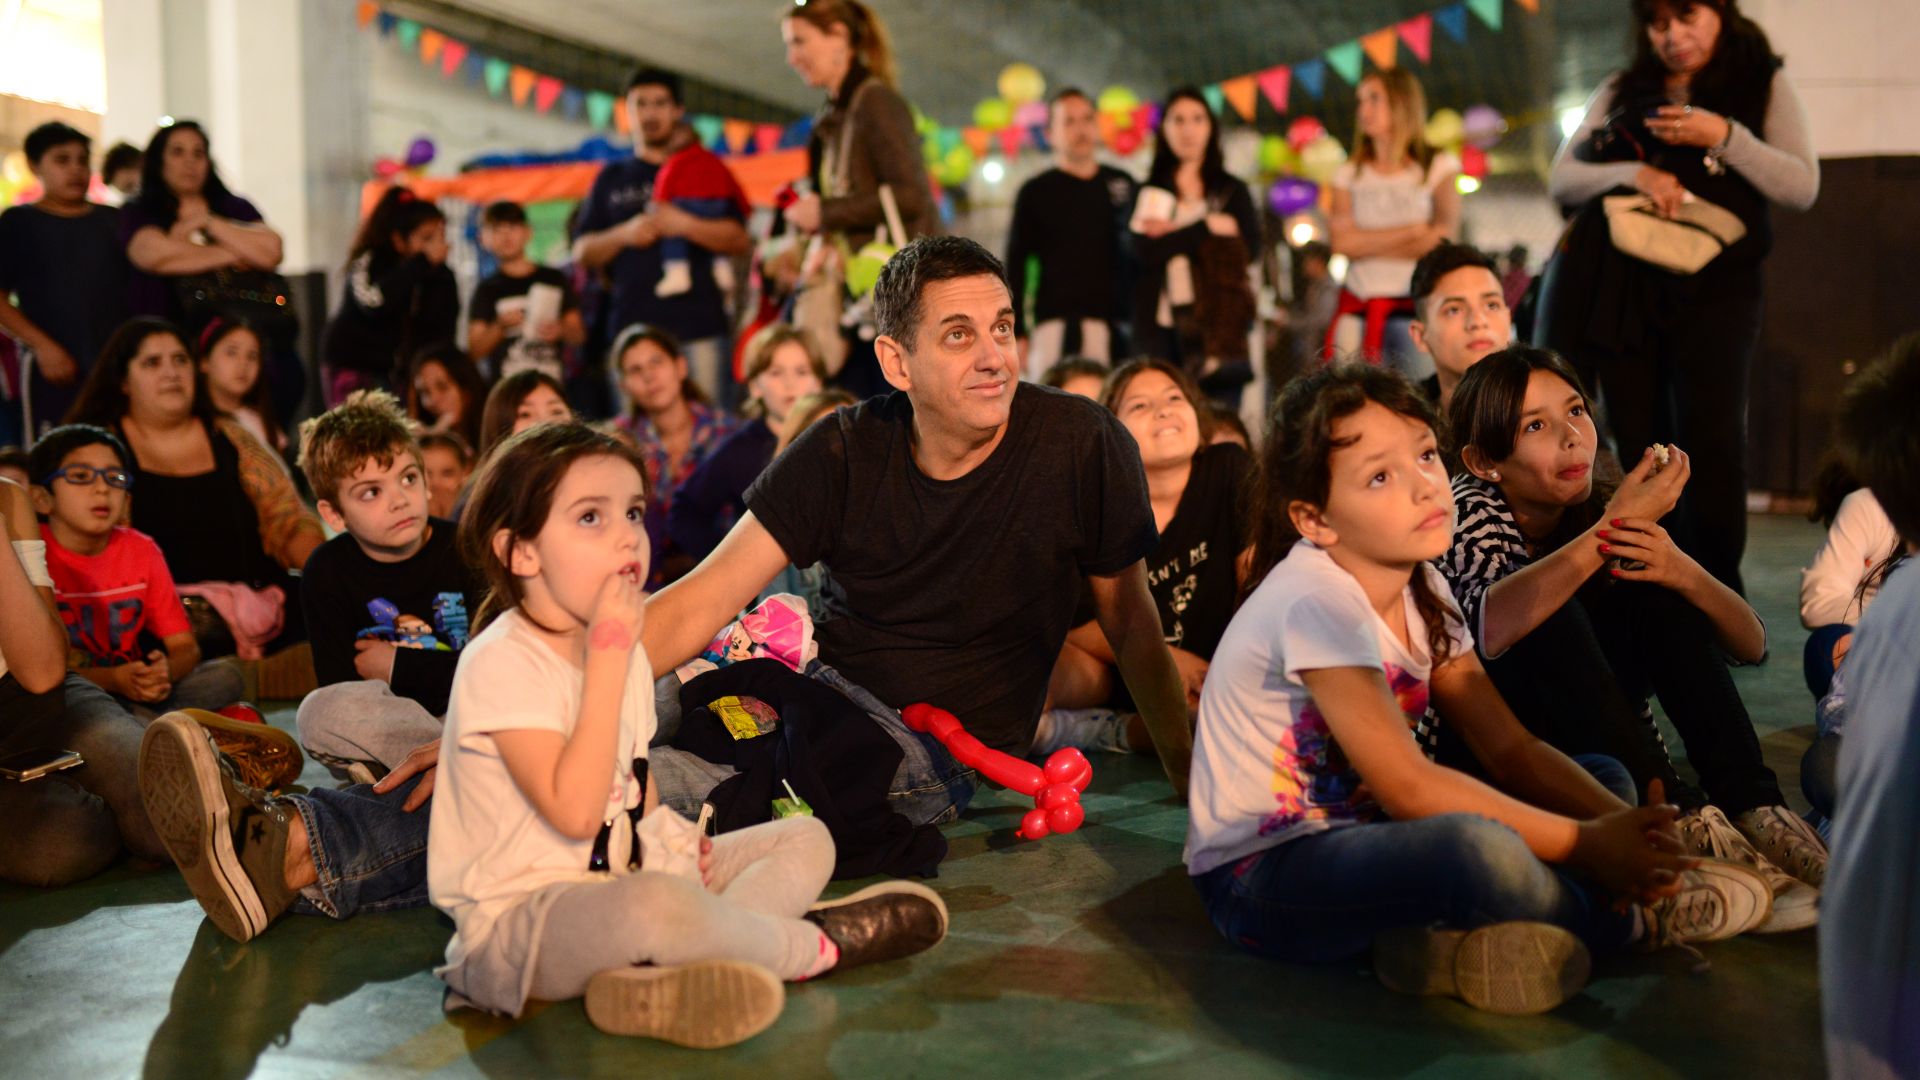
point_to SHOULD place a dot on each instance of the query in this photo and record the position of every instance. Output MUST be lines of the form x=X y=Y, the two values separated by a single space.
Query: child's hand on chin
x=618 y=611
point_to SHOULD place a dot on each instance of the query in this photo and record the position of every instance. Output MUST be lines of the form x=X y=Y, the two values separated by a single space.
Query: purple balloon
x=420 y=152
x=1291 y=194
x=1482 y=125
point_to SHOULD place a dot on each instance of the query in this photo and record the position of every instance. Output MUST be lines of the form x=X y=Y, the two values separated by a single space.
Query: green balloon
x=992 y=114
x=956 y=166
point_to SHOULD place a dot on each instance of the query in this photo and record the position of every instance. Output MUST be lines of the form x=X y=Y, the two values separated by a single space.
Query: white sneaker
x=1717 y=900
x=675 y=278
x=1515 y=968
x=1083 y=729
x=1708 y=833
x=1784 y=837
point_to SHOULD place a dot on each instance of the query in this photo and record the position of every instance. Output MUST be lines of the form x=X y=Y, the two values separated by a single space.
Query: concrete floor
x=1083 y=955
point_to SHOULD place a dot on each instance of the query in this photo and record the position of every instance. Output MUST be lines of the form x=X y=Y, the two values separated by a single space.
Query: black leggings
x=1581 y=679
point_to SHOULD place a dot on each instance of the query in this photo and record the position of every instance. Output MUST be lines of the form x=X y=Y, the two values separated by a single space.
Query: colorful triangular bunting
x=710 y=129
x=766 y=137
x=1532 y=6
x=366 y=12
x=599 y=110
x=739 y=135
x=431 y=42
x=1011 y=138
x=546 y=91
x=1274 y=83
x=1453 y=20
x=1216 y=98
x=409 y=33
x=452 y=55
x=520 y=82
x=1490 y=11
x=496 y=74
x=977 y=140
x=1311 y=75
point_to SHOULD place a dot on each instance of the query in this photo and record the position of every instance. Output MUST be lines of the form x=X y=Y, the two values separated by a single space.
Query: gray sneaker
x=1101 y=730
x=1717 y=900
x=1708 y=833
x=1515 y=968
x=229 y=840
x=1782 y=836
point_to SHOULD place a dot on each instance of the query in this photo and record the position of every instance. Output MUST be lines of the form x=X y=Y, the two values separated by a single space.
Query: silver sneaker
x=1796 y=904
x=1790 y=842
x=1717 y=900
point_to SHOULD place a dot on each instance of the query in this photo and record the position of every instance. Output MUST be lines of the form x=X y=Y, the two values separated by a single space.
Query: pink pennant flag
x=1011 y=138
x=452 y=55
x=546 y=91
x=1417 y=34
x=1274 y=83
x=766 y=137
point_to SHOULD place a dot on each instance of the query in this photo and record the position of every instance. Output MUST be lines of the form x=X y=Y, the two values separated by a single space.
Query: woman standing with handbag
x=863 y=143
x=1704 y=113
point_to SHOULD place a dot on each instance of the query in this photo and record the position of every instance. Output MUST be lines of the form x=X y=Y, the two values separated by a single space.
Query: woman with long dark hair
x=1704 y=110
x=399 y=296
x=1195 y=232
x=186 y=222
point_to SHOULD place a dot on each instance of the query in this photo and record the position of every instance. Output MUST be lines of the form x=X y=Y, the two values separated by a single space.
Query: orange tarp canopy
x=760 y=175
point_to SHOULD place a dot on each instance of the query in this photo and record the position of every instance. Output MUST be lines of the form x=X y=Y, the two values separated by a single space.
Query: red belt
x=1376 y=312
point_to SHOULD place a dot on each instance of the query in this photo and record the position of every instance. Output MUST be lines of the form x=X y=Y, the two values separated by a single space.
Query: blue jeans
x=929 y=787
x=1817 y=661
x=1322 y=897
x=370 y=854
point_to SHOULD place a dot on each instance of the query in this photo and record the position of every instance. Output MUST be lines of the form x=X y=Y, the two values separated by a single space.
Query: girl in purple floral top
x=675 y=426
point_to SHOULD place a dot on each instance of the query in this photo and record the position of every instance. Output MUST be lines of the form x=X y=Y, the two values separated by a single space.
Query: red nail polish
x=1615 y=571
x=1604 y=548
x=1617 y=522
x=1602 y=533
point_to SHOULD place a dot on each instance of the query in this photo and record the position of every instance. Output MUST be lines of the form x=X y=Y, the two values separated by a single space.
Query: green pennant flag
x=599 y=110
x=1489 y=11
x=409 y=32
x=1344 y=59
x=1216 y=98
x=709 y=128
x=495 y=74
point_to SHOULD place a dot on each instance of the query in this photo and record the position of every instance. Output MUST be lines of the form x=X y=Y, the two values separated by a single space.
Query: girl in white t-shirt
x=1393 y=202
x=1317 y=825
x=542 y=796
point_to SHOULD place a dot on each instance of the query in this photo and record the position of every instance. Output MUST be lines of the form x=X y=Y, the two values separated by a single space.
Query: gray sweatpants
x=764 y=879
x=363 y=722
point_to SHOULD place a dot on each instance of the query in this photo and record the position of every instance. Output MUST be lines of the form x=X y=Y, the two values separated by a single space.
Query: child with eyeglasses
x=127 y=631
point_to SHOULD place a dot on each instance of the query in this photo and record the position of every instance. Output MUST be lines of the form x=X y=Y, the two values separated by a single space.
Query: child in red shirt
x=111 y=583
x=697 y=181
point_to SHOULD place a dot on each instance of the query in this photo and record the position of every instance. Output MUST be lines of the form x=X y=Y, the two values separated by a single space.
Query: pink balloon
x=1034 y=825
x=1032 y=114
x=1303 y=131
x=1066 y=817
x=386 y=167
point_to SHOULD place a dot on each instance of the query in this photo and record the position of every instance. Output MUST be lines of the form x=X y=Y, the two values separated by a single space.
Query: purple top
x=152 y=294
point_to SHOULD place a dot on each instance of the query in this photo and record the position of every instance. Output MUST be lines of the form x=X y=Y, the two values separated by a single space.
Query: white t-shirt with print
x=1265 y=767
x=1391 y=201
x=488 y=848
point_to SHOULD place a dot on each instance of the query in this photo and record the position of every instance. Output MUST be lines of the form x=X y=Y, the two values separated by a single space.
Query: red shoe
x=245 y=712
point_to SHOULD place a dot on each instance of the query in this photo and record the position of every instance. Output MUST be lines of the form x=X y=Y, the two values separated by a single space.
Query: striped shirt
x=1487 y=546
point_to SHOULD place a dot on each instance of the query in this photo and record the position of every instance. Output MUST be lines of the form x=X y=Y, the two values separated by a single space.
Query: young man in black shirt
x=63 y=258
x=1071 y=221
x=955 y=518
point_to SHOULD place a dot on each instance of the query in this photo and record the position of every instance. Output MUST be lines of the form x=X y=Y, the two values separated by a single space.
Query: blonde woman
x=1393 y=202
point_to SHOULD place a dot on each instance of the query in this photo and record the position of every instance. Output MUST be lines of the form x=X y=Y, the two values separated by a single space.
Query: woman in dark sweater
x=1195 y=233
x=399 y=297
x=782 y=367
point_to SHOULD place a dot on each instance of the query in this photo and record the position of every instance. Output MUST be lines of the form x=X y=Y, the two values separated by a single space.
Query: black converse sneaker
x=229 y=840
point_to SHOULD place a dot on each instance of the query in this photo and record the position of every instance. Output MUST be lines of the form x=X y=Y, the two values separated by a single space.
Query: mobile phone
x=34 y=764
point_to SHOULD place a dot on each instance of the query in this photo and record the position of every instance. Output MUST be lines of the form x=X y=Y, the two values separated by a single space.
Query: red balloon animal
x=1055 y=788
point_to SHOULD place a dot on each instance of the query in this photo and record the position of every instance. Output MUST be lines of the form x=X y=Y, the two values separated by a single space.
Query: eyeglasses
x=83 y=475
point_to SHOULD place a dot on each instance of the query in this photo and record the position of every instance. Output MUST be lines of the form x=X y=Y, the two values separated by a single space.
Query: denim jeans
x=929 y=787
x=1322 y=897
x=71 y=825
x=370 y=854
x=211 y=685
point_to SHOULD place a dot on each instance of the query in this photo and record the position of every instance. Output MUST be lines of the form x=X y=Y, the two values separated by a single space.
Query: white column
x=134 y=44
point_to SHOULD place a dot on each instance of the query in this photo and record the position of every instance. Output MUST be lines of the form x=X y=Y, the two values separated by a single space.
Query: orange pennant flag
x=977 y=140
x=367 y=12
x=1383 y=47
x=621 y=122
x=1532 y=6
x=520 y=82
x=431 y=42
x=738 y=133
x=1241 y=93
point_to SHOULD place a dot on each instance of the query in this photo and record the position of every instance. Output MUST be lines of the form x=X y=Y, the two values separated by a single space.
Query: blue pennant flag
x=1311 y=75
x=1452 y=19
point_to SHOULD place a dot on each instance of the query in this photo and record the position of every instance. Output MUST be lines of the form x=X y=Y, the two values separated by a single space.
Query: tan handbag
x=1683 y=243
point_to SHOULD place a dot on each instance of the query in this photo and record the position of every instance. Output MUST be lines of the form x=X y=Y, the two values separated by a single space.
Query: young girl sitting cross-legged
x=1319 y=828
x=542 y=802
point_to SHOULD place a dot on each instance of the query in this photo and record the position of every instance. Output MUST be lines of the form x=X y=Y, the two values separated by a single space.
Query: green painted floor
x=1083 y=955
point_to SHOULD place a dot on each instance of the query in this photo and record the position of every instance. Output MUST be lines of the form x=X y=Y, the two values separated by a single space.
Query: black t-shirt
x=1191 y=572
x=422 y=605
x=1076 y=229
x=69 y=274
x=958 y=592
x=517 y=350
